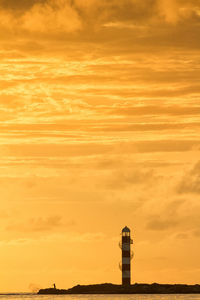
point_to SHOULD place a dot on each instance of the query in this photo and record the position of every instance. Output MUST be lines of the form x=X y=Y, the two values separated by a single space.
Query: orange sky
x=99 y=108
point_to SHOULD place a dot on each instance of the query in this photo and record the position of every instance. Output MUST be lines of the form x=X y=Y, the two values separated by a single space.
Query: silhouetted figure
x=54 y=286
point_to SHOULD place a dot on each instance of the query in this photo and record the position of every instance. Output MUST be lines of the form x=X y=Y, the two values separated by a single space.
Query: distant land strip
x=137 y=288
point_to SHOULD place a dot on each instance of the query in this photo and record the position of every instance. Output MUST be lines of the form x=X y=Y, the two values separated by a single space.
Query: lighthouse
x=127 y=255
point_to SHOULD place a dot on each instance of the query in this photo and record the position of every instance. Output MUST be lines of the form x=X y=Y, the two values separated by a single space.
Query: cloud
x=49 y=17
x=165 y=146
x=168 y=217
x=62 y=16
x=126 y=177
x=52 y=237
x=196 y=233
x=171 y=11
x=190 y=182
x=174 y=11
x=37 y=224
x=161 y=224
x=156 y=110
x=4 y=214
x=19 y=5
x=53 y=16
x=182 y=235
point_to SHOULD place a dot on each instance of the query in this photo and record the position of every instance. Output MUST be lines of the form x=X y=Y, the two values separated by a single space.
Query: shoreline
x=137 y=288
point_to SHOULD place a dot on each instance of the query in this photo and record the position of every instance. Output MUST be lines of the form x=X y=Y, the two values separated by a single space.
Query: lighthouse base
x=126 y=281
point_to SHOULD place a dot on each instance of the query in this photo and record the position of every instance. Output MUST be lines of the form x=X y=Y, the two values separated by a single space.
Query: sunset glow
x=100 y=128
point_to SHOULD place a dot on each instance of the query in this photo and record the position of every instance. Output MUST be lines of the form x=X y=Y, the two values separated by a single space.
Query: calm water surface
x=101 y=297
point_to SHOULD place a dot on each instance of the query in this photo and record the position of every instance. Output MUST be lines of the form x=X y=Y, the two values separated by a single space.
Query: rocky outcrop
x=108 y=288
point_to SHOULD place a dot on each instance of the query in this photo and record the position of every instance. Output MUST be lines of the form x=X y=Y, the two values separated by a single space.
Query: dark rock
x=108 y=288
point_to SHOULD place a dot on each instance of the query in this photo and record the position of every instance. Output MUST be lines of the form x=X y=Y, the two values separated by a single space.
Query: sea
x=99 y=297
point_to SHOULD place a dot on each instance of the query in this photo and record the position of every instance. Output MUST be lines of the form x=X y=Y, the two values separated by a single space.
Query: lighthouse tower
x=126 y=256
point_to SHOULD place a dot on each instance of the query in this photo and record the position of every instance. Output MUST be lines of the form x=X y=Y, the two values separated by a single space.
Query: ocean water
x=100 y=297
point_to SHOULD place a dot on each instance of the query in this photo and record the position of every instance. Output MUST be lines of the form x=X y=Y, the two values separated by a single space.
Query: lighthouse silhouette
x=127 y=255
